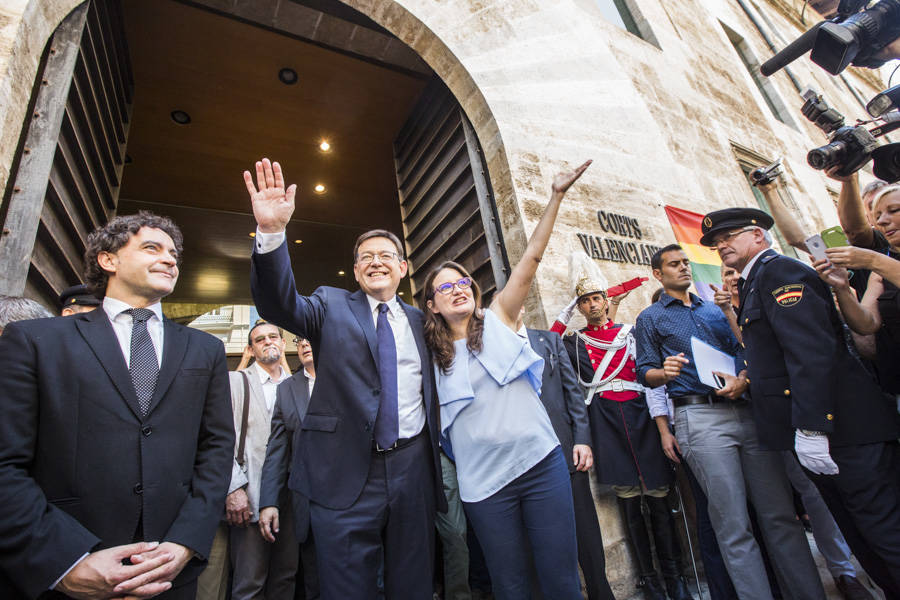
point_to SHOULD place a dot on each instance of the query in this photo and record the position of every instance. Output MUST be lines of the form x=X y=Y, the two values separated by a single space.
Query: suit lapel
x=540 y=346
x=257 y=396
x=299 y=390
x=748 y=283
x=174 y=348
x=97 y=331
x=359 y=306
x=417 y=325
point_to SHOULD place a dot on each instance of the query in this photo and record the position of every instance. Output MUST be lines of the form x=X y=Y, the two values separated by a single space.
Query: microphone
x=792 y=51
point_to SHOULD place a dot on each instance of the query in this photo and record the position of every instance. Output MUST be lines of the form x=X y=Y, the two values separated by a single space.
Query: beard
x=269 y=356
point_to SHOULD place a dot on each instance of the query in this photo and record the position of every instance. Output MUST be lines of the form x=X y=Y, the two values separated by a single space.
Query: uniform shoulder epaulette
x=768 y=258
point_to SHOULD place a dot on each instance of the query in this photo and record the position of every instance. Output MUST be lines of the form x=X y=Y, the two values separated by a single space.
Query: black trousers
x=591 y=557
x=864 y=498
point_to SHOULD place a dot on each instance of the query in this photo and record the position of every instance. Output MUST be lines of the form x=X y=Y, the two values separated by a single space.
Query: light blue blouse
x=491 y=411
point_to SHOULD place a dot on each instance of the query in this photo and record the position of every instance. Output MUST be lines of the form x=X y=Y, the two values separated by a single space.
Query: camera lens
x=827 y=155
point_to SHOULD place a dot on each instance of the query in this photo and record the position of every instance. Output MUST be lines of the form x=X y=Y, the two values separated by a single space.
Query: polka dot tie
x=144 y=365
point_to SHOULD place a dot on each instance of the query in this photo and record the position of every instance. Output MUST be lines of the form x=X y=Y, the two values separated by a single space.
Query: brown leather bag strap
x=244 y=418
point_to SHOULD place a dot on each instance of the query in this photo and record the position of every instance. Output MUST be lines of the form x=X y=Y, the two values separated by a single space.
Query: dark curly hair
x=437 y=333
x=115 y=234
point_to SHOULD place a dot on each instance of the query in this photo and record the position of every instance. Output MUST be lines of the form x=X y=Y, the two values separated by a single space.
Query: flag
x=705 y=262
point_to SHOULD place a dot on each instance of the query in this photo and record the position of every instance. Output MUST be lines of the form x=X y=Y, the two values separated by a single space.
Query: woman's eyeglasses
x=446 y=288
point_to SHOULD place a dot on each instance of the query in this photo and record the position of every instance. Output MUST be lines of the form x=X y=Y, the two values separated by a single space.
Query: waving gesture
x=273 y=205
x=563 y=181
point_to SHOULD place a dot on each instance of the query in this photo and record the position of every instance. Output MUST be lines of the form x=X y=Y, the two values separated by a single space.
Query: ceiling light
x=287 y=76
x=298 y=241
x=319 y=189
x=252 y=234
x=341 y=273
x=180 y=117
x=324 y=146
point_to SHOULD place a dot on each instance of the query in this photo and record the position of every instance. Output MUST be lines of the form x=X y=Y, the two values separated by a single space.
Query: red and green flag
x=705 y=262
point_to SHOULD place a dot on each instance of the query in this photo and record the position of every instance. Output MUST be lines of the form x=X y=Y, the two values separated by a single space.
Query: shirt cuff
x=63 y=576
x=267 y=242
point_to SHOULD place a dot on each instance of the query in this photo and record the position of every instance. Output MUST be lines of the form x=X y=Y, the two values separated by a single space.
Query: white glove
x=812 y=452
x=566 y=315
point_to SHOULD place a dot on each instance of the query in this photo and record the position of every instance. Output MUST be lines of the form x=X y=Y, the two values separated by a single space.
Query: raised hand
x=273 y=205
x=564 y=180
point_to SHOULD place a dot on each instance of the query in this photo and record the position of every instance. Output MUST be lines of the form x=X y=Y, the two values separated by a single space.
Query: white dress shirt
x=269 y=385
x=123 y=324
x=745 y=272
x=310 y=381
x=410 y=408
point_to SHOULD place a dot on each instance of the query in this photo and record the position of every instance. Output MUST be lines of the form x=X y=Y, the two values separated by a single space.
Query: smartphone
x=834 y=237
x=816 y=246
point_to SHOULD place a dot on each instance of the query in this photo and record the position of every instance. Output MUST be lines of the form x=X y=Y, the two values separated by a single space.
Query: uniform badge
x=789 y=295
x=707 y=222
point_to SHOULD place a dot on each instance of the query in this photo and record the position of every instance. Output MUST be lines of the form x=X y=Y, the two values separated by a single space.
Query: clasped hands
x=101 y=574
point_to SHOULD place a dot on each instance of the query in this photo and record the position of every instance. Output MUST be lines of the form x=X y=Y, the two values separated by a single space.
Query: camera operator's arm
x=784 y=218
x=851 y=212
x=889 y=52
x=862 y=317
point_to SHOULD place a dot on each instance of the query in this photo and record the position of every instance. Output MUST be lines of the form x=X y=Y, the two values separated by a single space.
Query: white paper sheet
x=708 y=359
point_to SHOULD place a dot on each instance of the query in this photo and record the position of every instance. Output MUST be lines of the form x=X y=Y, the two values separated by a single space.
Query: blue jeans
x=533 y=511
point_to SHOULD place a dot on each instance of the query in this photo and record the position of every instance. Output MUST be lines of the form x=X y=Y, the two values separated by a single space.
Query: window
x=763 y=84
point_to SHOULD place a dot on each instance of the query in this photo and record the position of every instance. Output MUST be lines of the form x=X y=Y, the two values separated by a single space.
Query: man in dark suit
x=810 y=395
x=116 y=437
x=564 y=401
x=277 y=497
x=367 y=456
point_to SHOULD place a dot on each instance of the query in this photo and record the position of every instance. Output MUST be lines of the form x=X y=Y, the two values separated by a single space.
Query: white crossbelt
x=599 y=383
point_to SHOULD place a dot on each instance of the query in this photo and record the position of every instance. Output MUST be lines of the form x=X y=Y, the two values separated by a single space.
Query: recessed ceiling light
x=180 y=117
x=252 y=234
x=287 y=76
x=341 y=273
x=298 y=241
x=319 y=189
x=324 y=146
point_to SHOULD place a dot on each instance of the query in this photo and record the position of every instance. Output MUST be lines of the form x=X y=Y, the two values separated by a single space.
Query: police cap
x=78 y=294
x=732 y=218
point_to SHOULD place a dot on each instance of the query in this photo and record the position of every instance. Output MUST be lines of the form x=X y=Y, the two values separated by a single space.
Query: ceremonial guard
x=624 y=436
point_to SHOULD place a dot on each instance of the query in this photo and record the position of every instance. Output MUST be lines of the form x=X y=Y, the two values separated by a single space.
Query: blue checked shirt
x=665 y=329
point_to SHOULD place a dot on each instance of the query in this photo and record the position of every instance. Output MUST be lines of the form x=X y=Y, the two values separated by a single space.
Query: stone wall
x=549 y=83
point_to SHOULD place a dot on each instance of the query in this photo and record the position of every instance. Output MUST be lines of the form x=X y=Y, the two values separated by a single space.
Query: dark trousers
x=591 y=557
x=533 y=511
x=864 y=499
x=394 y=512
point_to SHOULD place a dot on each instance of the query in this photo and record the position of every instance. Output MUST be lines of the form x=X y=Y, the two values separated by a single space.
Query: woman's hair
x=884 y=191
x=437 y=333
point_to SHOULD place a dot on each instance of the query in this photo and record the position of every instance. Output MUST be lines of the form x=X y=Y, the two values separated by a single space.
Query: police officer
x=77 y=299
x=810 y=395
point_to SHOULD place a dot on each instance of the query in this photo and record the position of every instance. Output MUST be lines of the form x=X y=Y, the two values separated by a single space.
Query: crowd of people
x=133 y=464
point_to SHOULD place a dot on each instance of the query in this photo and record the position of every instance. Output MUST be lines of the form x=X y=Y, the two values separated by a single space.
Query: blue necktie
x=144 y=365
x=387 y=425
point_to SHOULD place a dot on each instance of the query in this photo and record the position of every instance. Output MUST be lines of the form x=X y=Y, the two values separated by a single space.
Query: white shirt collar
x=393 y=304
x=264 y=375
x=308 y=376
x=745 y=272
x=114 y=308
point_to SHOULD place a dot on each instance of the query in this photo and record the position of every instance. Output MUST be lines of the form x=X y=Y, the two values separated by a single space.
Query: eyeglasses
x=368 y=258
x=729 y=236
x=446 y=288
x=296 y=340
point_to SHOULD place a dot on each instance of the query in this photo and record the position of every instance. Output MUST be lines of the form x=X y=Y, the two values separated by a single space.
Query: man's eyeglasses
x=368 y=258
x=446 y=288
x=730 y=235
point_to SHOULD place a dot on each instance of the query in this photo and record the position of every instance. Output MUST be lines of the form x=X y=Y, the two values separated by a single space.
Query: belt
x=709 y=398
x=400 y=443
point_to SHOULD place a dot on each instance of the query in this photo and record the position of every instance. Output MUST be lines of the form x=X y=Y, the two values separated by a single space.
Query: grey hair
x=884 y=191
x=767 y=235
x=17 y=308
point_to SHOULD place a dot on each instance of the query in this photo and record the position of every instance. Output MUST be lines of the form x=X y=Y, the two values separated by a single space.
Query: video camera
x=851 y=147
x=853 y=36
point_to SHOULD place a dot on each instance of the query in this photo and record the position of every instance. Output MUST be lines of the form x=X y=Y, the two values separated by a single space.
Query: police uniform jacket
x=801 y=374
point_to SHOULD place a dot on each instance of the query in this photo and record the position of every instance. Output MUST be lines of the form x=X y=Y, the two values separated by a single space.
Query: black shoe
x=677 y=588
x=851 y=589
x=651 y=588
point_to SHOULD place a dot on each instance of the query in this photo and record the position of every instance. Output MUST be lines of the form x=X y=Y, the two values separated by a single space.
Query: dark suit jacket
x=801 y=373
x=561 y=394
x=334 y=448
x=82 y=470
x=291 y=403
